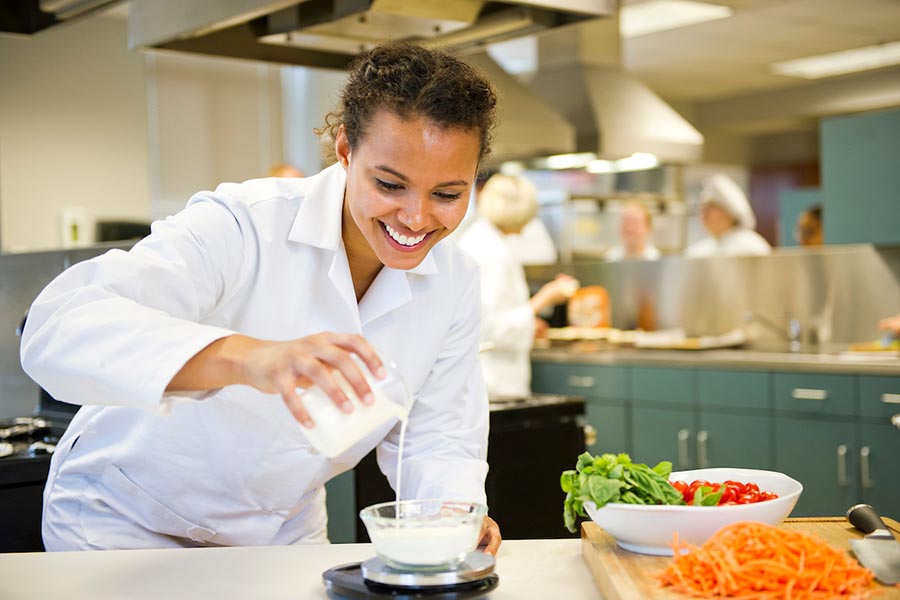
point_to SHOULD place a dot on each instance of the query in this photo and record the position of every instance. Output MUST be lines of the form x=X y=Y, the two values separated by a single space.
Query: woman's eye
x=388 y=186
x=447 y=195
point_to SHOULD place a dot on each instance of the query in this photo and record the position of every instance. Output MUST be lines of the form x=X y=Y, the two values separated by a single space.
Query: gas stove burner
x=372 y=579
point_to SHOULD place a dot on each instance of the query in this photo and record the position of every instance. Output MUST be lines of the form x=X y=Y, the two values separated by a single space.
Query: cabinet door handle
x=684 y=459
x=890 y=398
x=702 y=456
x=842 y=466
x=590 y=435
x=580 y=382
x=865 y=473
x=808 y=394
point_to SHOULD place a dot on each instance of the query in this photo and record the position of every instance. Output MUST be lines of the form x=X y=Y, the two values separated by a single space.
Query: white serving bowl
x=429 y=535
x=649 y=529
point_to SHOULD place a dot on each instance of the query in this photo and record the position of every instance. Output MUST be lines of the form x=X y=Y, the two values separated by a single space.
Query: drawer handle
x=842 y=466
x=808 y=394
x=580 y=382
x=702 y=455
x=684 y=459
x=890 y=398
x=865 y=472
x=590 y=435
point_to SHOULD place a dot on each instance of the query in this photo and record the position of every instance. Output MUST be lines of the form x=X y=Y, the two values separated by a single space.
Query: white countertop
x=537 y=569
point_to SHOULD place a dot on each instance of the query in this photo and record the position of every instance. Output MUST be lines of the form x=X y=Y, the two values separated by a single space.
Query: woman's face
x=408 y=184
x=716 y=219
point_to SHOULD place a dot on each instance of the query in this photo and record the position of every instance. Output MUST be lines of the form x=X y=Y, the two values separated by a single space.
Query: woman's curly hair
x=412 y=81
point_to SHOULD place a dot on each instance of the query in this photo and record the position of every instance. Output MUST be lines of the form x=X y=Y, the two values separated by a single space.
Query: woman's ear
x=342 y=147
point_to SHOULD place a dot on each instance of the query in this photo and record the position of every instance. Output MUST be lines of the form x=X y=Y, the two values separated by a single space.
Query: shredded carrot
x=754 y=561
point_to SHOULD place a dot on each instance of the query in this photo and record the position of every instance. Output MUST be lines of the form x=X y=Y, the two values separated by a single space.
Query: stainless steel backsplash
x=22 y=277
x=837 y=293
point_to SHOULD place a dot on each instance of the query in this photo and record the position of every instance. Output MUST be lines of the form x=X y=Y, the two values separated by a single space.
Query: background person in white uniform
x=635 y=229
x=509 y=318
x=188 y=350
x=729 y=220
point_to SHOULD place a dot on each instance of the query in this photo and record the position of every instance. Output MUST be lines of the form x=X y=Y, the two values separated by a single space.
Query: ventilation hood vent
x=614 y=114
x=528 y=126
x=327 y=33
x=27 y=17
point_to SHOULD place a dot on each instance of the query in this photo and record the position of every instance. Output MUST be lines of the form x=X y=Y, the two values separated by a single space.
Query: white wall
x=308 y=95
x=210 y=120
x=87 y=123
x=73 y=131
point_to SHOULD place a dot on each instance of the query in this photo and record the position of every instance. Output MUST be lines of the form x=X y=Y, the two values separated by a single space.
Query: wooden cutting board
x=624 y=575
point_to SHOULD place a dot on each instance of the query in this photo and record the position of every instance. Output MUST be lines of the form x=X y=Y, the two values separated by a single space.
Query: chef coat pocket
x=117 y=513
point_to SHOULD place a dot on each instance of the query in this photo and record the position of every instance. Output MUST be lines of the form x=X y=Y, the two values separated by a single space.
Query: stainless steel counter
x=751 y=360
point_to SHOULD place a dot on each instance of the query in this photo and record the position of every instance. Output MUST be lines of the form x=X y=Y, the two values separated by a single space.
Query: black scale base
x=347 y=582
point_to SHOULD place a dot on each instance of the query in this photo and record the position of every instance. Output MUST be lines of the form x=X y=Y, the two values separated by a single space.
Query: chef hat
x=508 y=202
x=727 y=194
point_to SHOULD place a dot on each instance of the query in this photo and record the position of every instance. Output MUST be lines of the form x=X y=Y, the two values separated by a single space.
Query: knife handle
x=865 y=518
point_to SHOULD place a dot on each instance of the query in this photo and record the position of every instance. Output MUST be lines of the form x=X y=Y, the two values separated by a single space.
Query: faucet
x=793 y=333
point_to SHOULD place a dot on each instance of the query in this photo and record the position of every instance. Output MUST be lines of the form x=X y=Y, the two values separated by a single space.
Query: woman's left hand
x=489 y=536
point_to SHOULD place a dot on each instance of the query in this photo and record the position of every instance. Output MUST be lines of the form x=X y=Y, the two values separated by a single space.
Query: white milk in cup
x=336 y=431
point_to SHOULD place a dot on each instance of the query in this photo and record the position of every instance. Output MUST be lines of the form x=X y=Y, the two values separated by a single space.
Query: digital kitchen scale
x=473 y=578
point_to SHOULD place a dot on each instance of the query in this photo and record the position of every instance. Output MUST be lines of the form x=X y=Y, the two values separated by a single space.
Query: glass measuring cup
x=335 y=431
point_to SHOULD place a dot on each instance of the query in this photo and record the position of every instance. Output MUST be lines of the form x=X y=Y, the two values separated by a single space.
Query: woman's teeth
x=402 y=239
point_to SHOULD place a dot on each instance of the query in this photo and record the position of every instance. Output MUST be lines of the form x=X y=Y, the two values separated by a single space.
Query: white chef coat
x=738 y=241
x=533 y=245
x=507 y=320
x=139 y=467
x=617 y=252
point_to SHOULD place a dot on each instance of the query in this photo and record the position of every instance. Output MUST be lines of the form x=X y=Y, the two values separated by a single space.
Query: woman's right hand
x=891 y=324
x=282 y=367
x=554 y=292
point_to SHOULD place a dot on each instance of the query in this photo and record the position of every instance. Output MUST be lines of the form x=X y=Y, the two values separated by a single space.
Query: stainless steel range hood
x=327 y=33
x=528 y=126
x=614 y=114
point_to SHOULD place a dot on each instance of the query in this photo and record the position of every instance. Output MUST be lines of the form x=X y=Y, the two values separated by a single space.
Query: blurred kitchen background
x=112 y=114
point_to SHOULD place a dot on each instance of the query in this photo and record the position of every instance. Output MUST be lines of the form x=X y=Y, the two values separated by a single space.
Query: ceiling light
x=601 y=166
x=512 y=168
x=660 y=15
x=839 y=63
x=570 y=161
x=639 y=161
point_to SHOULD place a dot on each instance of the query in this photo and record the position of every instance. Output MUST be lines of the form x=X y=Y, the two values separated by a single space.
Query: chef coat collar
x=318 y=222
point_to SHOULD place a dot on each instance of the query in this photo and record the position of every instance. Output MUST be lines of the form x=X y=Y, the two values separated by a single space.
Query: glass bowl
x=428 y=535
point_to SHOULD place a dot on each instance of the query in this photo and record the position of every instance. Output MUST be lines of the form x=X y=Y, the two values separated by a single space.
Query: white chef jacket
x=139 y=467
x=738 y=241
x=507 y=320
x=533 y=245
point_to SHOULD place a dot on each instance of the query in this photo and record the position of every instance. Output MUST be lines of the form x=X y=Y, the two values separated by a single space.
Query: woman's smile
x=405 y=243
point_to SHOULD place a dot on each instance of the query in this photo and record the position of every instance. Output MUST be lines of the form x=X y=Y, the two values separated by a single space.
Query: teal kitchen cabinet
x=659 y=434
x=702 y=418
x=605 y=394
x=879 y=467
x=734 y=419
x=879 y=452
x=819 y=454
x=340 y=502
x=663 y=416
x=860 y=178
x=817 y=439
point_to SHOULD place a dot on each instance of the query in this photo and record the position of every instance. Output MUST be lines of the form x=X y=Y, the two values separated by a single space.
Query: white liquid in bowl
x=425 y=546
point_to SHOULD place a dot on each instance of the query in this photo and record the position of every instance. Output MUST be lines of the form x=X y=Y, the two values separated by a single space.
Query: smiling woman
x=180 y=348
